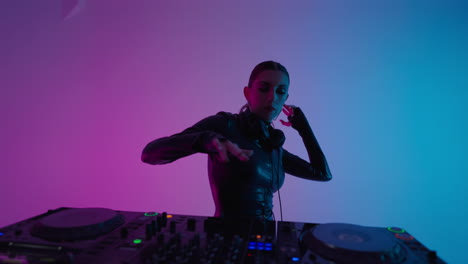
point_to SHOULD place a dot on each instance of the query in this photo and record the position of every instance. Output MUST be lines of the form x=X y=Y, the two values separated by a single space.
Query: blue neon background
x=383 y=84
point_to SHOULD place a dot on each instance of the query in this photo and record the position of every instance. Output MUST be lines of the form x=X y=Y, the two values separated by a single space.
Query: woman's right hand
x=225 y=148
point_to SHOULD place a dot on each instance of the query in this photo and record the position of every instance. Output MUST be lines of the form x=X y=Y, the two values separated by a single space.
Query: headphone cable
x=279 y=194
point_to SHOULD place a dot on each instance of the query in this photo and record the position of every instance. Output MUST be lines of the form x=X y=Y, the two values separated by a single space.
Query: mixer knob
x=159 y=222
x=164 y=219
x=432 y=255
x=172 y=227
x=191 y=224
x=123 y=232
x=156 y=227
x=312 y=257
x=161 y=238
x=149 y=231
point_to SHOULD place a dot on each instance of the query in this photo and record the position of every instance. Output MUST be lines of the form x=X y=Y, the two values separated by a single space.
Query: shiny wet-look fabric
x=243 y=188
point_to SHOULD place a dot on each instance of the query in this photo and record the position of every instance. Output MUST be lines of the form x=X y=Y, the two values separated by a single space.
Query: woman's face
x=267 y=94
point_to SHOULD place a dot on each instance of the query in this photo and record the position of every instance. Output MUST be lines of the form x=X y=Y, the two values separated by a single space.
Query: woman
x=246 y=161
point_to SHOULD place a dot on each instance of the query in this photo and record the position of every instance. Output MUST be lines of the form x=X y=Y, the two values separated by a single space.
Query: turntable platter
x=348 y=243
x=77 y=224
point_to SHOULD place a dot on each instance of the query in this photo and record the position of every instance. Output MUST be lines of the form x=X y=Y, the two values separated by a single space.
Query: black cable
x=278 y=185
x=274 y=168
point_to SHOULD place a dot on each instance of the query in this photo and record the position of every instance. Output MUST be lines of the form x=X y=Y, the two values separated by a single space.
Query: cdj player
x=100 y=235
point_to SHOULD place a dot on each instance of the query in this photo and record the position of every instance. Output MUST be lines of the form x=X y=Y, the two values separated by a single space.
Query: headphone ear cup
x=277 y=138
x=254 y=129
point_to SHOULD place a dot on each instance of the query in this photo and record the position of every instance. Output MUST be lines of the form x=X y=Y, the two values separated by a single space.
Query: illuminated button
x=137 y=241
x=295 y=259
x=260 y=244
x=252 y=243
x=259 y=237
x=1 y=234
x=406 y=237
x=395 y=229
x=268 y=249
x=252 y=247
x=169 y=216
x=151 y=214
x=260 y=248
x=268 y=245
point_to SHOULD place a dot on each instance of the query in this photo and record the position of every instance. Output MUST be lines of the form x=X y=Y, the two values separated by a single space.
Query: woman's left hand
x=288 y=110
x=296 y=118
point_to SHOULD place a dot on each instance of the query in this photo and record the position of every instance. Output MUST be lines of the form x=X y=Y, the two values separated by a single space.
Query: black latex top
x=243 y=188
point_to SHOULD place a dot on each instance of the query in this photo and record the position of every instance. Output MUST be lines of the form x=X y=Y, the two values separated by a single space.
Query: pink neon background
x=383 y=85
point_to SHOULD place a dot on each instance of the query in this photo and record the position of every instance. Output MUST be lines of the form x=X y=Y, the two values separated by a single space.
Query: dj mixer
x=100 y=235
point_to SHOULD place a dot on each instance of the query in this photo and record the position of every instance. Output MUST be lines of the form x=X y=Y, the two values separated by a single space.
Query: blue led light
x=260 y=248
x=252 y=244
x=252 y=247
x=295 y=259
x=268 y=249
x=1 y=234
x=268 y=244
x=260 y=243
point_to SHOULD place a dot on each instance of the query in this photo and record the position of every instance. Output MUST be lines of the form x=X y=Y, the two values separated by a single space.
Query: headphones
x=256 y=128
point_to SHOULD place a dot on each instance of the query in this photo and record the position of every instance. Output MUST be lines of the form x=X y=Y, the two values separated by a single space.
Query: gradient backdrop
x=383 y=84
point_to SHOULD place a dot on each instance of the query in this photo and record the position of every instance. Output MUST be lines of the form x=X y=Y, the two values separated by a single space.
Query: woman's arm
x=192 y=140
x=317 y=167
x=206 y=136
